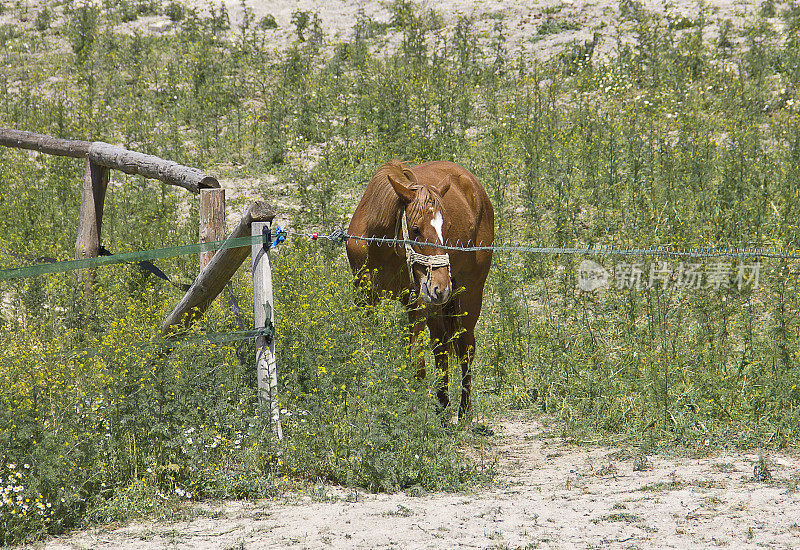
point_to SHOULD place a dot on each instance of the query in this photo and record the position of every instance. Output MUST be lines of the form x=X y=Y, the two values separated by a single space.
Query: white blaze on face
x=437 y=222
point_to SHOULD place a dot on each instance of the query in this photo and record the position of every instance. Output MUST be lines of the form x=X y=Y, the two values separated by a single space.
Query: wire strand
x=665 y=252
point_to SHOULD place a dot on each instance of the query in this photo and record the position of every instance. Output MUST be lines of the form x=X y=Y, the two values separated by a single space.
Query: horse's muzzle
x=433 y=293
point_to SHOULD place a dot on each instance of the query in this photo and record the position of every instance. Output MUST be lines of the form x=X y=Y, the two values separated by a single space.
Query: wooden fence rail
x=216 y=268
x=100 y=158
x=21 y=139
x=131 y=162
x=112 y=156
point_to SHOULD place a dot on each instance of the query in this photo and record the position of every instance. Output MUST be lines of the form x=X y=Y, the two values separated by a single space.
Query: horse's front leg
x=465 y=351
x=440 y=343
x=416 y=355
x=443 y=387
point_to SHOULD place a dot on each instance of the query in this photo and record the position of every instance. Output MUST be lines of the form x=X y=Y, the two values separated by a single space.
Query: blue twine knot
x=280 y=237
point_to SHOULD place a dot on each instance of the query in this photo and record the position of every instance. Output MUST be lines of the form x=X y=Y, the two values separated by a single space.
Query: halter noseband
x=414 y=257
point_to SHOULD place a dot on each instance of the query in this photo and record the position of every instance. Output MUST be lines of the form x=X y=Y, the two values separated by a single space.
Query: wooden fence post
x=210 y=282
x=266 y=362
x=90 y=221
x=212 y=221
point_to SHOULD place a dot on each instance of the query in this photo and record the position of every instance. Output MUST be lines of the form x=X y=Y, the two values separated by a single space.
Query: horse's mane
x=381 y=204
x=424 y=198
x=384 y=202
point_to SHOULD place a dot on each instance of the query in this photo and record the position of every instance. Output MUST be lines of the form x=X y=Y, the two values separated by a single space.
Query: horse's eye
x=415 y=231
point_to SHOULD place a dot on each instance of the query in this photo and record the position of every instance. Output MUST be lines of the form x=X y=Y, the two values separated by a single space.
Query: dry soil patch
x=549 y=493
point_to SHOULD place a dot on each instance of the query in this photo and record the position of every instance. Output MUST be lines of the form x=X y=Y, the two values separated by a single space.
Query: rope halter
x=414 y=257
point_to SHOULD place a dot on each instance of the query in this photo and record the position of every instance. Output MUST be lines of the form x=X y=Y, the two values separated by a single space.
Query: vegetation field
x=655 y=132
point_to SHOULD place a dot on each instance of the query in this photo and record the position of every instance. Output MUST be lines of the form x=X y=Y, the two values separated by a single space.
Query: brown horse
x=436 y=203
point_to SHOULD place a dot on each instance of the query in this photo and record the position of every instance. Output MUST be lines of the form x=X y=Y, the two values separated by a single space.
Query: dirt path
x=549 y=494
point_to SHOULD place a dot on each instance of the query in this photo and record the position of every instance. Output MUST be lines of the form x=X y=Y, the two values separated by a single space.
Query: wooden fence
x=215 y=269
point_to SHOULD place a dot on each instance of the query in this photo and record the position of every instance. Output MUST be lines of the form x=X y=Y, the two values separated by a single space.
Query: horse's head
x=428 y=223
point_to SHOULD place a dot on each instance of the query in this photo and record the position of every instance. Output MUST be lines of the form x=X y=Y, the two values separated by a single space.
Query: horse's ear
x=444 y=185
x=410 y=175
x=406 y=195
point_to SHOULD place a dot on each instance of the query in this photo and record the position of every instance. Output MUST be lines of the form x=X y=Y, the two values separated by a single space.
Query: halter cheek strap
x=414 y=257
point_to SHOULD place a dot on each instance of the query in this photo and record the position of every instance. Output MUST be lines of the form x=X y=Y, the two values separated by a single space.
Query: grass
x=678 y=484
x=554 y=26
x=726 y=467
x=620 y=516
x=672 y=141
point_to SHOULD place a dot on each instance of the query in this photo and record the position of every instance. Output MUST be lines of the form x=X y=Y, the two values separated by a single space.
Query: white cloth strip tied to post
x=414 y=257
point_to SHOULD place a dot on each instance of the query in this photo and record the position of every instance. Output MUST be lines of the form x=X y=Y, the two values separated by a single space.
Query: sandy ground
x=549 y=494
x=518 y=20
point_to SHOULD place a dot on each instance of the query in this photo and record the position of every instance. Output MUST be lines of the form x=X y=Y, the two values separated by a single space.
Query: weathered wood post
x=264 y=317
x=90 y=220
x=210 y=282
x=100 y=158
x=212 y=221
x=149 y=166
